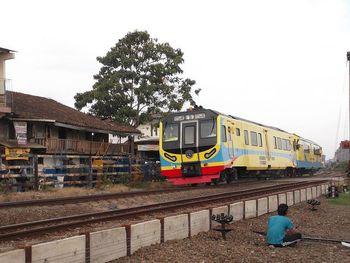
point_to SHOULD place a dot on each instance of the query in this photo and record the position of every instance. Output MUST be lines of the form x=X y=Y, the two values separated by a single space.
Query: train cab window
x=223 y=133
x=171 y=132
x=238 y=132
x=189 y=135
x=208 y=128
x=279 y=143
x=254 y=138
x=275 y=141
x=260 y=139
x=246 y=137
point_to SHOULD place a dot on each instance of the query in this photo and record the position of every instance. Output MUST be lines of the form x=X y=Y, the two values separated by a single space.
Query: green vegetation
x=139 y=77
x=344 y=199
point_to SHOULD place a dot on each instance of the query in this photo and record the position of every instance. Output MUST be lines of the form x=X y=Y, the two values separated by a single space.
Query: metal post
x=36 y=172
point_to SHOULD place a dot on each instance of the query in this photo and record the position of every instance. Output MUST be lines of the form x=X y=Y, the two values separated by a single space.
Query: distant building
x=343 y=152
x=5 y=84
x=61 y=141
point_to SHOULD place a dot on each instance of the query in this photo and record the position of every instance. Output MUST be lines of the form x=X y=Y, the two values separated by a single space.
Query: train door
x=267 y=147
x=230 y=141
x=189 y=149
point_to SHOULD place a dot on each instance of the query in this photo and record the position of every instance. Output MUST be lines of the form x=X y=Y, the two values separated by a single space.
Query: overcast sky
x=281 y=63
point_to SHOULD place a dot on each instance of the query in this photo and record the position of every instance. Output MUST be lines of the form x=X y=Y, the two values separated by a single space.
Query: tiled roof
x=34 y=107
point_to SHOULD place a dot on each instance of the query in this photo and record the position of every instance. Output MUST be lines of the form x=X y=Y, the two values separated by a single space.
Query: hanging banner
x=21 y=132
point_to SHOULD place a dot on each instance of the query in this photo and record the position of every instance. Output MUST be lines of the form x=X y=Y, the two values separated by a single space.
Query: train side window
x=246 y=137
x=254 y=138
x=229 y=134
x=279 y=143
x=275 y=141
x=260 y=140
x=208 y=129
x=288 y=146
x=238 y=132
x=284 y=144
x=223 y=134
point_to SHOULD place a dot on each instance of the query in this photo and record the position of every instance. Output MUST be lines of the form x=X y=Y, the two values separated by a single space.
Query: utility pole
x=348 y=60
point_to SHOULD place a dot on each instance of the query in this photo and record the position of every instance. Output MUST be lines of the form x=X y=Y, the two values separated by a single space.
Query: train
x=206 y=146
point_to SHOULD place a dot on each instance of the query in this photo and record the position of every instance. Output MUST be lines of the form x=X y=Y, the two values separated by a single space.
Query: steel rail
x=97 y=197
x=139 y=210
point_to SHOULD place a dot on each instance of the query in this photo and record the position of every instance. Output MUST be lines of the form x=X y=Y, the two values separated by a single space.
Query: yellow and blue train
x=204 y=146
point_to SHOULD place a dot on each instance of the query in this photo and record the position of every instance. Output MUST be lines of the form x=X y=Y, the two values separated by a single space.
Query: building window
x=223 y=134
x=260 y=139
x=238 y=132
x=246 y=137
x=254 y=138
x=40 y=160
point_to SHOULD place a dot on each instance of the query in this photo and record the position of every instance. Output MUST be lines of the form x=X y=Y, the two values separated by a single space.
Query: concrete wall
x=250 y=209
x=302 y=195
x=290 y=198
x=144 y=234
x=237 y=211
x=318 y=191
x=314 y=192
x=14 y=256
x=108 y=245
x=71 y=249
x=199 y=222
x=262 y=206
x=282 y=199
x=176 y=227
x=308 y=193
x=273 y=203
x=297 y=196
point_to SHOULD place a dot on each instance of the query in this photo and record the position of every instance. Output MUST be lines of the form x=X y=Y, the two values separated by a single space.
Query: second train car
x=204 y=146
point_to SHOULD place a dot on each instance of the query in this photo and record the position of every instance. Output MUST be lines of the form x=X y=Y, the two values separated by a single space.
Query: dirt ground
x=242 y=245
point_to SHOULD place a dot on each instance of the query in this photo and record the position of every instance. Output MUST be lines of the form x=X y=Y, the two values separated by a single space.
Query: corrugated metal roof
x=26 y=106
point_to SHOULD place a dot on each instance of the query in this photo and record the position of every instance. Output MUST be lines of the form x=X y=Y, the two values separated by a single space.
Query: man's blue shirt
x=277 y=226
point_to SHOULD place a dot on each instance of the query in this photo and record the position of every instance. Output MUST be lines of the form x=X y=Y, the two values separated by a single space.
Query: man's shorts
x=288 y=240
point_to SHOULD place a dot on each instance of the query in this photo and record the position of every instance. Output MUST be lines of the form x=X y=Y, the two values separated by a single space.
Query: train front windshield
x=184 y=134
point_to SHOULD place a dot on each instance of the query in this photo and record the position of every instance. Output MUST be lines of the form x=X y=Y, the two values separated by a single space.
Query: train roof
x=253 y=122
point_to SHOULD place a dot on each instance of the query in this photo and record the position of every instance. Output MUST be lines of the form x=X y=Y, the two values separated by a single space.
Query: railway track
x=35 y=227
x=98 y=197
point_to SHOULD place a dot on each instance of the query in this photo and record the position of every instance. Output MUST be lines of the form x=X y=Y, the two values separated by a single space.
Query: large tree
x=139 y=77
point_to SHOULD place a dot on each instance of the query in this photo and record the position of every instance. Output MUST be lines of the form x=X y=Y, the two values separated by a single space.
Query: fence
x=59 y=171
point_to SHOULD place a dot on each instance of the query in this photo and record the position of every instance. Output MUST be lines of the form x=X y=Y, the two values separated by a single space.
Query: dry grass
x=64 y=192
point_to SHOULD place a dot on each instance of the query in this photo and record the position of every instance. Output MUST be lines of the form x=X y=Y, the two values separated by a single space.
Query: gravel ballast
x=242 y=245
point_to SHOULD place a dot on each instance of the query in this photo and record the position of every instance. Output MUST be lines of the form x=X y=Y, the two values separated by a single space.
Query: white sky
x=281 y=63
